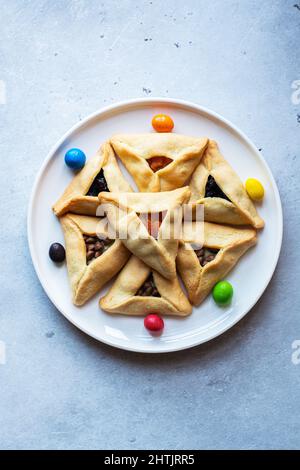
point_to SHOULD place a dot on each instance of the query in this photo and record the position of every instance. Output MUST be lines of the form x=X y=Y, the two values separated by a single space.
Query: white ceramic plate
x=250 y=277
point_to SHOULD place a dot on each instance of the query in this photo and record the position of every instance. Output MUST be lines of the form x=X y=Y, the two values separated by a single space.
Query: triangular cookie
x=159 y=162
x=101 y=173
x=125 y=211
x=211 y=252
x=91 y=261
x=216 y=185
x=139 y=291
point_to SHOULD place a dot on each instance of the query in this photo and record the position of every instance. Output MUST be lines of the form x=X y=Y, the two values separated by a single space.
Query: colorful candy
x=75 y=159
x=162 y=123
x=57 y=253
x=222 y=292
x=254 y=189
x=153 y=322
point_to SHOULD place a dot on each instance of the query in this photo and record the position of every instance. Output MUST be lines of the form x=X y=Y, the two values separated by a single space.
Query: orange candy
x=162 y=123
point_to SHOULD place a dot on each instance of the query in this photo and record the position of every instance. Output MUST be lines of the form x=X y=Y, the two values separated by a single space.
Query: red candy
x=153 y=322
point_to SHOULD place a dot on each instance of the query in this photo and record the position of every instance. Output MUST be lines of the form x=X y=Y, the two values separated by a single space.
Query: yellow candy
x=254 y=189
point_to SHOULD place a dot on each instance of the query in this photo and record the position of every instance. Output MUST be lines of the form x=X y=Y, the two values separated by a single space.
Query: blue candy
x=75 y=159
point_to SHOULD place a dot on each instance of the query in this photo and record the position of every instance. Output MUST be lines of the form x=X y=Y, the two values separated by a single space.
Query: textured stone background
x=60 y=61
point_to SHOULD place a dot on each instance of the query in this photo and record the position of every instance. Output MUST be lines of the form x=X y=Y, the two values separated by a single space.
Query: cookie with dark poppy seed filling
x=218 y=189
x=101 y=173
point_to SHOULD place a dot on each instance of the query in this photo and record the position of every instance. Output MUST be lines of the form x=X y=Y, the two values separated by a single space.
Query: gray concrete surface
x=60 y=61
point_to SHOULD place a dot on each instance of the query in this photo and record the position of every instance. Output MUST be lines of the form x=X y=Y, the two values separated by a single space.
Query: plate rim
x=140 y=102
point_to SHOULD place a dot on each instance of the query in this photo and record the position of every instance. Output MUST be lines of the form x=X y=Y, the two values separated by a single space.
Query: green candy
x=222 y=292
